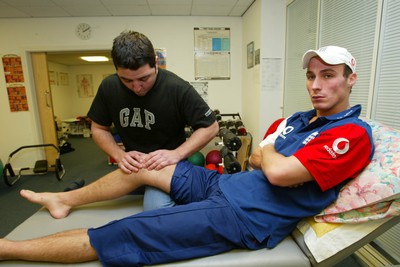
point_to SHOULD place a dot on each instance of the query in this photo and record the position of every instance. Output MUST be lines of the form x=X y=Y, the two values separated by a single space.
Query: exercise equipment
x=213 y=157
x=197 y=159
x=41 y=166
x=241 y=130
x=217 y=114
x=231 y=164
x=188 y=131
x=211 y=166
x=229 y=139
x=227 y=132
x=214 y=161
x=230 y=124
x=220 y=169
x=235 y=140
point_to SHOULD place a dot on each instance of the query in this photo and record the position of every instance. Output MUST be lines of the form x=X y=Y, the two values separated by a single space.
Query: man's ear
x=352 y=79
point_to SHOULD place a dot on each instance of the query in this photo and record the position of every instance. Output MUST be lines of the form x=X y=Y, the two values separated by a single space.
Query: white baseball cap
x=332 y=55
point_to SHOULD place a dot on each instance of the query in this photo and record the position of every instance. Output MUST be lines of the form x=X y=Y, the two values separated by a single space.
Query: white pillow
x=324 y=240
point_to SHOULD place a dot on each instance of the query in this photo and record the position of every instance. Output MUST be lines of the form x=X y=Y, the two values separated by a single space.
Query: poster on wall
x=85 y=85
x=17 y=98
x=250 y=55
x=64 y=79
x=271 y=74
x=53 y=77
x=212 y=53
x=12 y=66
x=257 y=57
x=162 y=57
x=202 y=89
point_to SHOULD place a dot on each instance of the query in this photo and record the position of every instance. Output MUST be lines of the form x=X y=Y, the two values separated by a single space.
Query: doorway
x=55 y=73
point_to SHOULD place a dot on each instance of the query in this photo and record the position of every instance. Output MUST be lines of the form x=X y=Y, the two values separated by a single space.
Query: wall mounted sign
x=212 y=54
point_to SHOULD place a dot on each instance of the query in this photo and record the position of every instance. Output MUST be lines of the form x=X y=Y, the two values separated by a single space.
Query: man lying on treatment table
x=299 y=170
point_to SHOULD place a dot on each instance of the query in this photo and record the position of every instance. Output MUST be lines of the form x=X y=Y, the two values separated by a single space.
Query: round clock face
x=83 y=31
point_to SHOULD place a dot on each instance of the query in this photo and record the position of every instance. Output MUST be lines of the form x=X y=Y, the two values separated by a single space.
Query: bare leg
x=110 y=186
x=67 y=247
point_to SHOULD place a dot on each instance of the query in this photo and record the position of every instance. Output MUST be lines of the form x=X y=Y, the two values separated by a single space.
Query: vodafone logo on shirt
x=286 y=131
x=340 y=146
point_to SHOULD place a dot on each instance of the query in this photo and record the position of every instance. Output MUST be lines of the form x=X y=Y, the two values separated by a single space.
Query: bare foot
x=51 y=201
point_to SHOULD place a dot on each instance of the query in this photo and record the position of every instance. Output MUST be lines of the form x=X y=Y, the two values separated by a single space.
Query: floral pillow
x=375 y=193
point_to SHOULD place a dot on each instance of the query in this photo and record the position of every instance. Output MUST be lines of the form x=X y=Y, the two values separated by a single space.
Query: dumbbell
x=241 y=130
x=217 y=115
x=230 y=124
x=229 y=139
x=188 y=131
x=230 y=162
x=222 y=124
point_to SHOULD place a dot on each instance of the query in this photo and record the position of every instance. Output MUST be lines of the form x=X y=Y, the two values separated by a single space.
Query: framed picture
x=85 y=85
x=257 y=57
x=250 y=55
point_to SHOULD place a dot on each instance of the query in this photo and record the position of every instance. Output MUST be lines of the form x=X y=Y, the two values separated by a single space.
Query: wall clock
x=83 y=31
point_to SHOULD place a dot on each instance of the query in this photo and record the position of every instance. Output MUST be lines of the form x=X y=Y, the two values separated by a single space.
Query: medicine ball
x=197 y=159
x=214 y=157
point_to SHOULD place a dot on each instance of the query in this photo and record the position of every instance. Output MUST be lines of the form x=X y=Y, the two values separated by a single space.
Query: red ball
x=220 y=169
x=211 y=166
x=213 y=157
x=242 y=131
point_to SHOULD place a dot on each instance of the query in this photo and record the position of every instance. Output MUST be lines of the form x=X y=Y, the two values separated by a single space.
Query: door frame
x=45 y=104
x=39 y=64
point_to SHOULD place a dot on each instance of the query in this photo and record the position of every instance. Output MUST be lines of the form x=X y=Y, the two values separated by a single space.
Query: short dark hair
x=347 y=71
x=132 y=50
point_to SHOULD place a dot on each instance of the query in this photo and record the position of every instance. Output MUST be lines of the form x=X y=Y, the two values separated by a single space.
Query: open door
x=45 y=104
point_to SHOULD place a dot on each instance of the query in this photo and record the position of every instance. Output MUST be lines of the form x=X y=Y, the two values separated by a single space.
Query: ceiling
x=109 y=8
x=106 y=8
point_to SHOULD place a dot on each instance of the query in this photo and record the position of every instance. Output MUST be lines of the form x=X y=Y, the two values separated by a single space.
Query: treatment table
x=372 y=199
x=287 y=253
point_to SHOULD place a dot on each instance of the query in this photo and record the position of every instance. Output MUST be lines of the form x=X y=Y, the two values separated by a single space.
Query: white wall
x=252 y=29
x=67 y=103
x=61 y=94
x=273 y=36
x=22 y=36
x=247 y=92
x=264 y=24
